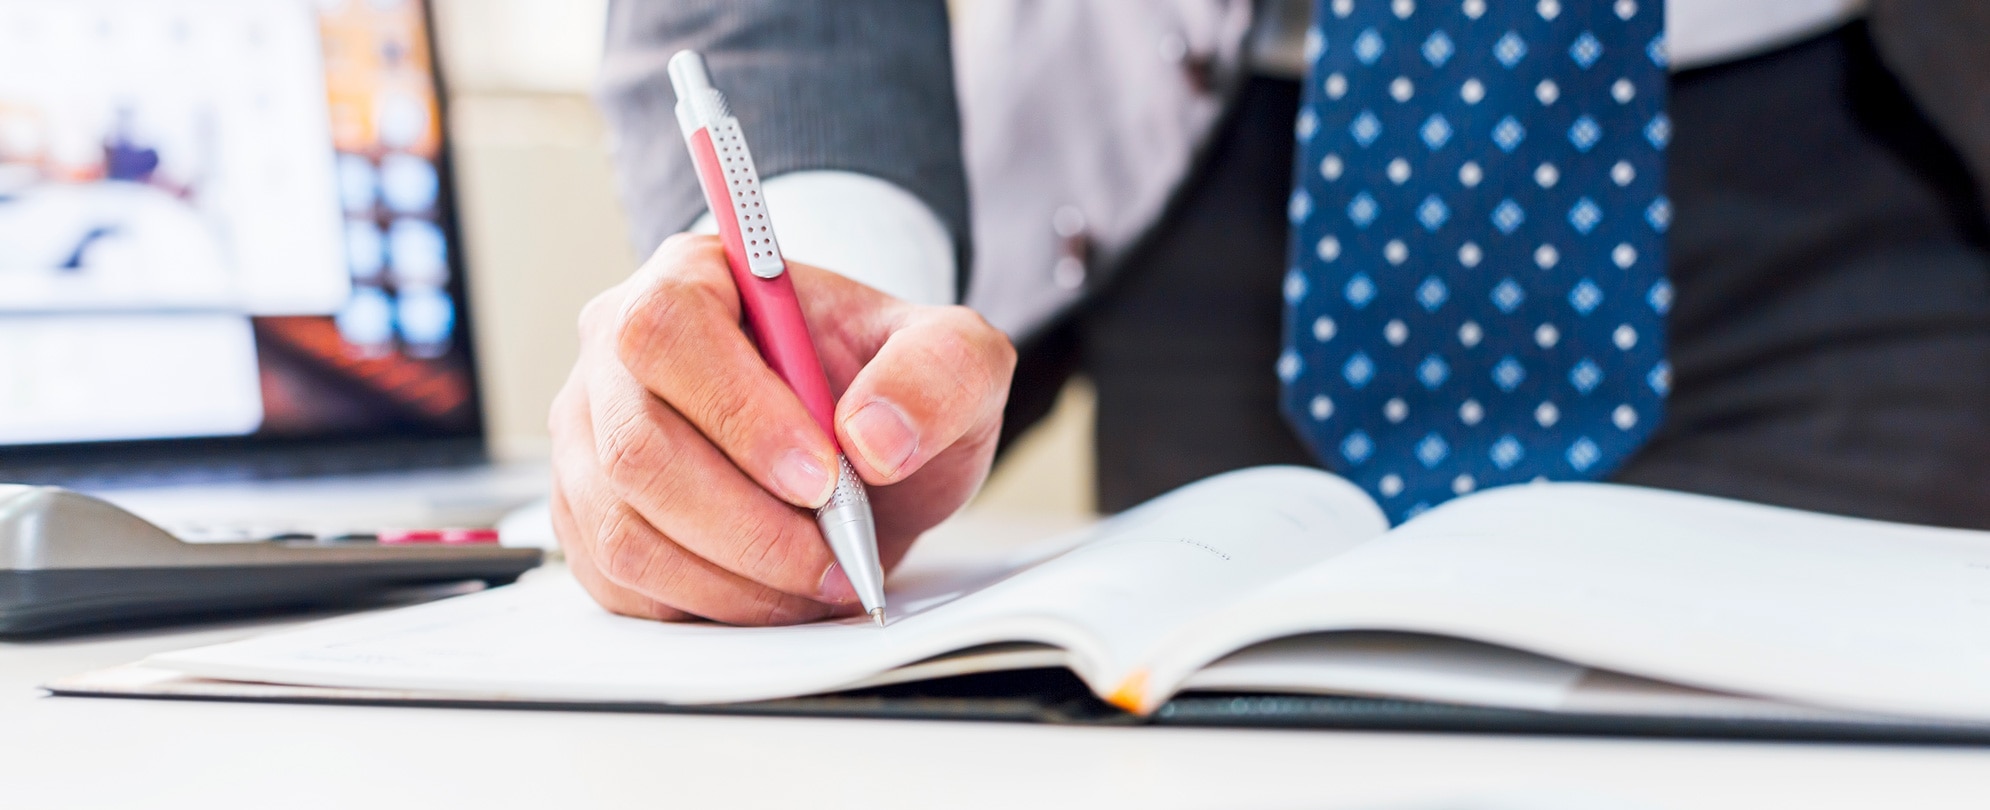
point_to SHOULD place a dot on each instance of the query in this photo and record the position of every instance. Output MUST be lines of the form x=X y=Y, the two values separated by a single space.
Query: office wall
x=546 y=232
x=521 y=46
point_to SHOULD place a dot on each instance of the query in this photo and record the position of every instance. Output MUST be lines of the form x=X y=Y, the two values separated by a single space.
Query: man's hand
x=686 y=472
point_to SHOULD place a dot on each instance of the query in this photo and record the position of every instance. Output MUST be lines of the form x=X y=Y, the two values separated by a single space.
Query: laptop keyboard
x=120 y=471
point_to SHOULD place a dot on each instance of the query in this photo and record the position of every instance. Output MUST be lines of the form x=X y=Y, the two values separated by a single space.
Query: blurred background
x=546 y=232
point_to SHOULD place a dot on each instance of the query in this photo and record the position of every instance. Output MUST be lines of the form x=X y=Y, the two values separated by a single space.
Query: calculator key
x=469 y=535
x=214 y=534
x=410 y=536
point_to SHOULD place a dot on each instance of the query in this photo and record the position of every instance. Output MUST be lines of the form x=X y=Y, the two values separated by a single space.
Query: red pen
x=732 y=190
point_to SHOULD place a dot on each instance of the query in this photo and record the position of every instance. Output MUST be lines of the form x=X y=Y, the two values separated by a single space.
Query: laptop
x=232 y=288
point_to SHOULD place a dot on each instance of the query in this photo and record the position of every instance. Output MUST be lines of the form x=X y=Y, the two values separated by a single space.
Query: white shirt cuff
x=864 y=228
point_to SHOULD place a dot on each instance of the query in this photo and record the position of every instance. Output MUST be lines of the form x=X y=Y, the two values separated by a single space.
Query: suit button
x=1198 y=69
x=1073 y=248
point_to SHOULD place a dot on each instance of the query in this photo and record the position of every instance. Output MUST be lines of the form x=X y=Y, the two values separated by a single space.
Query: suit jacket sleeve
x=854 y=85
x=1940 y=49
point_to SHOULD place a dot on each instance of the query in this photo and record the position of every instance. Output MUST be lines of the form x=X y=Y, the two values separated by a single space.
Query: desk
x=72 y=752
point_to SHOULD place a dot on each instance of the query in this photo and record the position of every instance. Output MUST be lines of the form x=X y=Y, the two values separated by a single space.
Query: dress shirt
x=881 y=235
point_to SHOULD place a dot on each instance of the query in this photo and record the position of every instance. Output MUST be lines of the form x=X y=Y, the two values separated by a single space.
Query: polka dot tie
x=1477 y=294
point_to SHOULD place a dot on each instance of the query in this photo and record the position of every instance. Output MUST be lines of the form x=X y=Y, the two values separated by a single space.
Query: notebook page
x=1106 y=601
x=1395 y=665
x=1704 y=592
x=1449 y=670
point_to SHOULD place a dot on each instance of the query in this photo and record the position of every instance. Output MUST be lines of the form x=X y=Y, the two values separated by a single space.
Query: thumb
x=942 y=374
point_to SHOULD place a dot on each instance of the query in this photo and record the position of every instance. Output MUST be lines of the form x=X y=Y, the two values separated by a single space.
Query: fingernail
x=883 y=435
x=804 y=478
x=835 y=588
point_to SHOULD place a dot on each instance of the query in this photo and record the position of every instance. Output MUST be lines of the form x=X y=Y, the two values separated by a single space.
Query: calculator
x=70 y=562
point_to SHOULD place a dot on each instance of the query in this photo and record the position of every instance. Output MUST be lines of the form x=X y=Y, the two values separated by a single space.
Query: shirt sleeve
x=862 y=227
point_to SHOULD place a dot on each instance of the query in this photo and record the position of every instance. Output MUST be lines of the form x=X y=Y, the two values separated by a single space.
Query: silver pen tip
x=877 y=615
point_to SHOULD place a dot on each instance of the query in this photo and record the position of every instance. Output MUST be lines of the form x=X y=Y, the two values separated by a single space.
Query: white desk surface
x=77 y=752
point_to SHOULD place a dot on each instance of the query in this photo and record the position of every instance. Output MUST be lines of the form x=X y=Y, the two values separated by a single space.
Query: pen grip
x=775 y=315
x=773 y=311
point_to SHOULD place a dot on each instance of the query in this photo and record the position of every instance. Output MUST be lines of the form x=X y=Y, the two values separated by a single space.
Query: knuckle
x=633 y=453
x=668 y=321
x=703 y=250
x=958 y=363
x=623 y=601
x=774 y=549
x=685 y=242
x=609 y=597
x=687 y=254
x=783 y=609
x=676 y=243
x=637 y=606
x=627 y=553
x=730 y=423
x=659 y=611
x=770 y=612
x=668 y=581
x=721 y=411
x=1005 y=355
x=648 y=324
x=993 y=345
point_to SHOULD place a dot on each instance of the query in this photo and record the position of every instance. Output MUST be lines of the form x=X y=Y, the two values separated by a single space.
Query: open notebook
x=1591 y=599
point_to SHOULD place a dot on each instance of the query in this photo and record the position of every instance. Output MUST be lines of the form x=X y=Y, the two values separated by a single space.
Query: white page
x=1814 y=609
x=1106 y=602
x=1449 y=670
x=1395 y=665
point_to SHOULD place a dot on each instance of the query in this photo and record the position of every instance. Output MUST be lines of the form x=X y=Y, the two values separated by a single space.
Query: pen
x=732 y=189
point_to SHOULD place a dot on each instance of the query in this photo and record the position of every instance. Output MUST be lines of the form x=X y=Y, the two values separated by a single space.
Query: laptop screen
x=226 y=220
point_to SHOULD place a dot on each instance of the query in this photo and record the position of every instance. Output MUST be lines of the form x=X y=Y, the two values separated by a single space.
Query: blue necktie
x=1477 y=293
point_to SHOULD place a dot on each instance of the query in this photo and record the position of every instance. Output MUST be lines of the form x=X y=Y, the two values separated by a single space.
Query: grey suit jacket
x=1051 y=134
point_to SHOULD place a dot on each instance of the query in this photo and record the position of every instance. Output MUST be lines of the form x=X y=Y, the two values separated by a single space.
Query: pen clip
x=701 y=106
